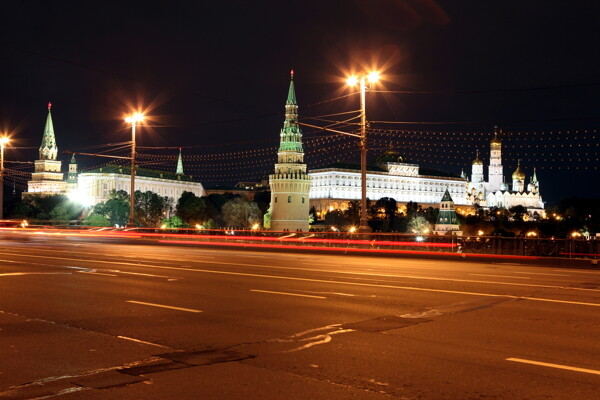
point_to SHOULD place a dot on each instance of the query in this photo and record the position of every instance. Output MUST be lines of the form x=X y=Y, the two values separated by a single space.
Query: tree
x=150 y=208
x=66 y=211
x=418 y=224
x=240 y=213
x=174 y=222
x=267 y=219
x=191 y=209
x=518 y=212
x=336 y=218
x=352 y=213
x=115 y=209
x=96 y=220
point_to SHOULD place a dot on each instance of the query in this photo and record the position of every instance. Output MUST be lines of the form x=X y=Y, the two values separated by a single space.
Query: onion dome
x=495 y=141
x=390 y=155
x=518 y=175
x=477 y=161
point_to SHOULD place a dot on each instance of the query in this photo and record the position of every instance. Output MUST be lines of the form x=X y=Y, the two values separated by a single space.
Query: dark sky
x=214 y=77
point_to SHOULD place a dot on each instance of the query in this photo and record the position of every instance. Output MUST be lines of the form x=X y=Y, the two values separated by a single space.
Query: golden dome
x=477 y=161
x=495 y=141
x=518 y=175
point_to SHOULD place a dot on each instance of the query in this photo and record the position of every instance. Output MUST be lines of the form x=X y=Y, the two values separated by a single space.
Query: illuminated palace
x=497 y=193
x=93 y=187
x=334 y=187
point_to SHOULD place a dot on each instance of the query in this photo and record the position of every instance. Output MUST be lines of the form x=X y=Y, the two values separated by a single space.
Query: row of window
x=289 y=199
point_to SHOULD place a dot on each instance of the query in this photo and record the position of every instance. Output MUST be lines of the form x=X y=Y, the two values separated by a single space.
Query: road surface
x=86 y=319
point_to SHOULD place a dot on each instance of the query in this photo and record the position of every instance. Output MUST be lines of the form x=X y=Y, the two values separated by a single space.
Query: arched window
x=275 y=199
x=289 y=199
x=302 y=199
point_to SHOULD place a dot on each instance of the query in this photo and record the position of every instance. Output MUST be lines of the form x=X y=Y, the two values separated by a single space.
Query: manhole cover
x=384 y=323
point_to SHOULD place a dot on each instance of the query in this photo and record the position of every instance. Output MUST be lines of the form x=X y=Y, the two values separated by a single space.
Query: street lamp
x=133 y=120
x=371 y=77
x=3 y=142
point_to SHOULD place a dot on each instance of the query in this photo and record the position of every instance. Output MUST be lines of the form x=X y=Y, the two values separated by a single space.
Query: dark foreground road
x=85 y=320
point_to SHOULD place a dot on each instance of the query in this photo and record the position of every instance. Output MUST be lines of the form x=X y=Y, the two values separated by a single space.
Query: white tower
x=477 y=170
x=495 y=169
x=290 y=184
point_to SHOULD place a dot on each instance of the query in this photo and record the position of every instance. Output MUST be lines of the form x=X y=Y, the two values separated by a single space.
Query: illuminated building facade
x=495 y=192
x=334 y=187
x=47 y=178
x=290 y=184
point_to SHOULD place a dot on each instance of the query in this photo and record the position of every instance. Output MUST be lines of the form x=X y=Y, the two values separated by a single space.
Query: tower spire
x=179 y=170
x=48 y=149
x=291 y=99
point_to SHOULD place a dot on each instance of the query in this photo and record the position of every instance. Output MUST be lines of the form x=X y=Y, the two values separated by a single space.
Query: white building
x=93 y=187
x=497 y=193
x=332 y=188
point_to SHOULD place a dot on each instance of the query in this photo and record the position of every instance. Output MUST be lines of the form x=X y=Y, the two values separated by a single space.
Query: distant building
x=92 y=187
x=290 y=184
x=447 y=220
x=335 y=186
x=495 y=192
x=47 y=178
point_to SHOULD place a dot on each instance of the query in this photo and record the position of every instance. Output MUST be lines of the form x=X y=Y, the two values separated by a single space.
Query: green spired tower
x=72 y=175
x=179 y=170
x=447 y=219
x=47 y=179
x=290 y=184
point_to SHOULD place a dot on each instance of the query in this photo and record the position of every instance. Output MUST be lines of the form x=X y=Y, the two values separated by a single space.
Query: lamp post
x=362 y=81
x=133 y=120
x=3 y=142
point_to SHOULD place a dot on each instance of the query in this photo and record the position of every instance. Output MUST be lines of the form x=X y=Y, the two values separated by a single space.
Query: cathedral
x=495 y=192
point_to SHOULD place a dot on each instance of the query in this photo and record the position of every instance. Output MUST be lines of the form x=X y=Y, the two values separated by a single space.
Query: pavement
x=86 y=318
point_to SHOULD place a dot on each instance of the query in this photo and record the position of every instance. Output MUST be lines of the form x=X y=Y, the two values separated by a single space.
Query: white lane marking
x=139 y=273
x=580 y=272
x=319 y=339
x=539 y=273
x=558 y=366
x=164 y=306
x=143 y=342
x=503 y=276
x=33 y=273
x=288 y=294
x=208 y=271
x=95 y=273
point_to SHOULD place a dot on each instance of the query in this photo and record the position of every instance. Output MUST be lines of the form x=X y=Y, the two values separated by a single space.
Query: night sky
x=213 y=78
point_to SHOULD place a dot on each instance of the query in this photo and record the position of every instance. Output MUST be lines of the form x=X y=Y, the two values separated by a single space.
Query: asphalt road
x=81 y=319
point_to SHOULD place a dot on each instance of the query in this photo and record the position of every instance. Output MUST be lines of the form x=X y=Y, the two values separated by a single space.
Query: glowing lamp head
x=352 y=229
x=135 y=117
x=373 y=77
x=4 y=140
x=352 y=81
x=255 y=227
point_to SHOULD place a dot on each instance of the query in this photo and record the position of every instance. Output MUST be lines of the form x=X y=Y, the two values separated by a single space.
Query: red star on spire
x=49 y=105
x=292 y=73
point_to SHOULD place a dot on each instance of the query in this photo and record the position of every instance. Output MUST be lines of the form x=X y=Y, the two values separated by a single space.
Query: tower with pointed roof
x=447 y=219
x=72 y=175
x=477 y=170
x=495 y=168
x=290 y=184
x=47 y=179
x=179 y=170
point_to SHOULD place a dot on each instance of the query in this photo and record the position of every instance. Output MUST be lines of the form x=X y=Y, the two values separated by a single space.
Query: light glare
x=352 y=81
x=373 y=77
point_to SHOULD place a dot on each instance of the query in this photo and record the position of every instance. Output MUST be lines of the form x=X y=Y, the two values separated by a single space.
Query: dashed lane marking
x=558 y=366
x=164 y=306
x=288 y=294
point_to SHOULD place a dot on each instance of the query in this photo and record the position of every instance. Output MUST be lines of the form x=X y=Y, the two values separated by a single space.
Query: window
x=289 y=199
x=275 y=199
x=302 y=199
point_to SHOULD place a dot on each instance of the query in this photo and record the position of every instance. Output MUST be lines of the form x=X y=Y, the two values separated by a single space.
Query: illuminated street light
x=352 y=229
x=352 y=81
x=133 y=120
x=255 y=227
x=3 y=142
